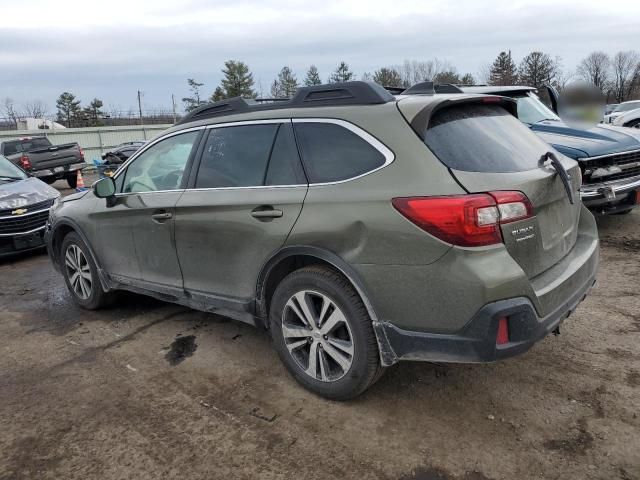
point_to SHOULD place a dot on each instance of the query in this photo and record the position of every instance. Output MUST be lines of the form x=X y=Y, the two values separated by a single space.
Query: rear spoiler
x=420 y=122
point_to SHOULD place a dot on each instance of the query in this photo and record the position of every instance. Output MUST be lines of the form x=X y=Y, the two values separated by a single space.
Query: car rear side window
x=332 y=153
x=483 y=138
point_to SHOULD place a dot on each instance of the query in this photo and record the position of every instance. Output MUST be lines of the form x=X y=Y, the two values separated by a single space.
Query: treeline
x=617 y=76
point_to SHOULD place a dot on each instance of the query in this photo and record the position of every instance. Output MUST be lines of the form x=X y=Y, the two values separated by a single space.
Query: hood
x=25 y=192
x=587 y=140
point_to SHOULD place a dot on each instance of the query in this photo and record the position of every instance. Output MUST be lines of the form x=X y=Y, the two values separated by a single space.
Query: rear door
x=244 y=198
x=488 y=149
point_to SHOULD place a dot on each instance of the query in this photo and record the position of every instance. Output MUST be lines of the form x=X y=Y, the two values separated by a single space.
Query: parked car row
x=357 y=227
x=626 y=114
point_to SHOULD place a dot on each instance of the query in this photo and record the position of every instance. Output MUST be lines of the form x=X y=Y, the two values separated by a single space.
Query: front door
x=246 y=195
x=136 y=230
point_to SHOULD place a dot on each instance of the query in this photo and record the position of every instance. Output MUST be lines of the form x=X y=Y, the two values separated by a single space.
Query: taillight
x=81 y=154
x=466 y=220
x=25 y=163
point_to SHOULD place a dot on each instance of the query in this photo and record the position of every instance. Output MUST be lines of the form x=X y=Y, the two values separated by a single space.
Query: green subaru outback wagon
x=358 y=228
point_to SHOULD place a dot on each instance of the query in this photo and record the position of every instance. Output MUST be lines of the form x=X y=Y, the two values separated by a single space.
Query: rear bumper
x=476 y=343
x=58 y=172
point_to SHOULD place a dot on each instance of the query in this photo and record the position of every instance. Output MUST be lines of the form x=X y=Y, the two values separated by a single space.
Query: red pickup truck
x=40 y=158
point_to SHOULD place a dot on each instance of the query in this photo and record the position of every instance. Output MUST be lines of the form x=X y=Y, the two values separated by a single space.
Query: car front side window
x=161 y=166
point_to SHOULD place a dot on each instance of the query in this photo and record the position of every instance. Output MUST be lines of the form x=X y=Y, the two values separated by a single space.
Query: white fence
x=94 y=140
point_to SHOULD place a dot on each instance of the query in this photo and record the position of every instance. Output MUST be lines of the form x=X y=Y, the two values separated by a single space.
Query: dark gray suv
x=360 y=229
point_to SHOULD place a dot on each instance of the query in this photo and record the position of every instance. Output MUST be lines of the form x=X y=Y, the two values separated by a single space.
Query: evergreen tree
x=237 y=81
x=218 y=95
x=447 y=76
x=313 y=77
x=537 y=69
x=388 y=77
x=68 y=108
x=468 y=79
x=92 y=113
x=503 y=70
x=194 y=101
x=285 y=85
x=341 y=74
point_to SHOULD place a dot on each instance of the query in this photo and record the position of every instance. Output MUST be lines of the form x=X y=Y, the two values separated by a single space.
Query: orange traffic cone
x=80 y=182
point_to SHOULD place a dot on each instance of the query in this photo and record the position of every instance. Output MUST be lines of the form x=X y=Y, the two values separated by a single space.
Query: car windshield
x=625 y=107
x=9 y=171
x=531 y=110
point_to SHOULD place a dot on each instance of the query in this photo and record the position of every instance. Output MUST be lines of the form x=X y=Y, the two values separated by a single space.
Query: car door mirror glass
x=104 y=188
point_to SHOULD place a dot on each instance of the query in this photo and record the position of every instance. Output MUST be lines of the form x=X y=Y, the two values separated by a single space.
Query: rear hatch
x=487 y=150
x=54 y=156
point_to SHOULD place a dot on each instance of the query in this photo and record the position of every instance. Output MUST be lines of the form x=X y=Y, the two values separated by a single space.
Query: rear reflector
x=466 y=220
x=503 y=331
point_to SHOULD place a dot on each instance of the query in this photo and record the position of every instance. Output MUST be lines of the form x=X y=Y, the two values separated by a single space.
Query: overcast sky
x=110 y=49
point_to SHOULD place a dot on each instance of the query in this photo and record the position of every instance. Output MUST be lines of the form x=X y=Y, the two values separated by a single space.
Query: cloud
x=111 y=50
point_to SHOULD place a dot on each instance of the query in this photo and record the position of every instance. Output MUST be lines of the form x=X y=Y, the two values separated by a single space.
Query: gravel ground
x=150 y=390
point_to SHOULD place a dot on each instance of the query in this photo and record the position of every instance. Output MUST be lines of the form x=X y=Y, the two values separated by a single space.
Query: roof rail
x=421 y=88
x=394 y=90
x=447 y=88
x=329 y=95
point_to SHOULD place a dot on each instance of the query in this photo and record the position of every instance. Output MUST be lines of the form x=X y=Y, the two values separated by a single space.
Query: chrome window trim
x=389 y=156
x=24 y=214
x=17 y=234
x=132 y=158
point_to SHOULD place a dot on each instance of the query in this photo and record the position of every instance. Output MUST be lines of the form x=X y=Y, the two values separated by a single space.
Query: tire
x=336 y=374
x=74 y=251
x=72 y=180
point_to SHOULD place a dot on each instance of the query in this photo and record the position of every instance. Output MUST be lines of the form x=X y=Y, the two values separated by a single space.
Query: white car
x=627 y=114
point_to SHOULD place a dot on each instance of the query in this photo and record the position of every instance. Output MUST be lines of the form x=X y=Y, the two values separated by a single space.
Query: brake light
x=81 y=153
x=25 y=163
x=465 y=220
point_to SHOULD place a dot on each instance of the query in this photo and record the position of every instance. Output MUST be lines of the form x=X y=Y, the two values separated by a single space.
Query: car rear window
x=19 y=146
x=483 y=138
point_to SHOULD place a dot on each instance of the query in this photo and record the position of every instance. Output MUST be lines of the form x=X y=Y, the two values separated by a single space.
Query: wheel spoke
x=303 y=301
x=345 y=345
x=324 y=366
x=74 y=278
x=290 y=331
x=297 y=344
x=70 y=260
x=332 y=322
x=312 y=367
x=326 y=303
x=338 y=357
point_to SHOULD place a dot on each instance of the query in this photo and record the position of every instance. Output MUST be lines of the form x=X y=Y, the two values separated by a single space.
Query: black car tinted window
x=483 y=138
x=236 y=156
x=284 y=164
x=332 y=153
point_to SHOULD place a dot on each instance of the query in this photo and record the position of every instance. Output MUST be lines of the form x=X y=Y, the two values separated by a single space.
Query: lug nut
x=325 y=337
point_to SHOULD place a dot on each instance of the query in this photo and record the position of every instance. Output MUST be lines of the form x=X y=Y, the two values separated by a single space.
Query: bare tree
x=10 y=111
x=35 y=109
x=594 y=69
x=624 y=65
x=414 y=71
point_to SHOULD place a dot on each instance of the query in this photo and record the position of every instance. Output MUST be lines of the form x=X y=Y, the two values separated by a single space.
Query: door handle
x=271 y=213
x=160 y=217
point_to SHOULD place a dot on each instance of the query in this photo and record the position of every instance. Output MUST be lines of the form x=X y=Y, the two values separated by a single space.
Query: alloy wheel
x=317 y=335
x=78 y=271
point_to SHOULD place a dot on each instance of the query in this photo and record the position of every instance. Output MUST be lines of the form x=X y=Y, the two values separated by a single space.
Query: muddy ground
x=149 y=390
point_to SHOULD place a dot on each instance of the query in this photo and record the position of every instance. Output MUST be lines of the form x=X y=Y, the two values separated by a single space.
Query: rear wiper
x=564 y=176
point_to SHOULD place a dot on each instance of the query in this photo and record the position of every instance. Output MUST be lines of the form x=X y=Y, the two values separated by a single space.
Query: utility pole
x=140 y=107
x=173 y=103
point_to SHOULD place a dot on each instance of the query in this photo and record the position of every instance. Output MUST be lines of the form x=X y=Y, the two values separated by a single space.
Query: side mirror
x=104 y=188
